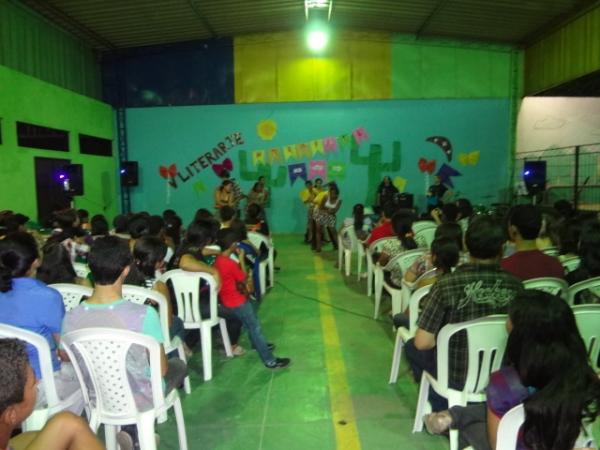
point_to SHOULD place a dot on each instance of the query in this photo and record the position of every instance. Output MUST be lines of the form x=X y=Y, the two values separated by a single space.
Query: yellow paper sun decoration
x=266 y=129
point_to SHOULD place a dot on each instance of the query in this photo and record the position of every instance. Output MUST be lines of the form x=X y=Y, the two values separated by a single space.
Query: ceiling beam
x=428 y=19
x=202 y=18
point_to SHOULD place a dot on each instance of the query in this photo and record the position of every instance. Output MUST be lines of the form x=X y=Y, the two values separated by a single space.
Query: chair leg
x=359 y=266
x=186 y=382
x=453 y=439
x=421 y=404
x=396 y=357
x=341 y=254
x=369 y=279
x=181 y=433
x=396 y=302
x=377 y=301
x=347 y=261
x=271 y=271
x=206 y=341
x=110 y=437
x=225 y=336
x=145 y=426
x=263 y=278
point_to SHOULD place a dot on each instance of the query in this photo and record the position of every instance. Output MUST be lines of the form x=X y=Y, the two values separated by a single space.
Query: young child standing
x=234 y=297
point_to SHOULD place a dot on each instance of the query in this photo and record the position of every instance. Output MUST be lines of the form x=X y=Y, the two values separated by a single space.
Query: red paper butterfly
x=168 y=172
x=426 y=166
x=227 y=165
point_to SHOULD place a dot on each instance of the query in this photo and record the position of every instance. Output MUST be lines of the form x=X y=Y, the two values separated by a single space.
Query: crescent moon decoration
x=443 y=143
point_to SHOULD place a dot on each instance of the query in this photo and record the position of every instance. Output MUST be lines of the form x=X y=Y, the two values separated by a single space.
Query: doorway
x=50 y=193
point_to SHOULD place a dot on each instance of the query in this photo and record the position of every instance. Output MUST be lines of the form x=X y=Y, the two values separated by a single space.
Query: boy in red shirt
x=234 y=297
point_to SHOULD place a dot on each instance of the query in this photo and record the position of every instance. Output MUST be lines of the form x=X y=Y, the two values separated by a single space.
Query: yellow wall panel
x=278 y=67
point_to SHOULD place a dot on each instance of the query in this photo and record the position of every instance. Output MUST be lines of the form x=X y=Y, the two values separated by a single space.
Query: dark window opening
x=36 y=136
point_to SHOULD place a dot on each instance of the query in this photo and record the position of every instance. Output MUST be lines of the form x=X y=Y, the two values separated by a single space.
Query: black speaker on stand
x=534 y=176
x=129 y=173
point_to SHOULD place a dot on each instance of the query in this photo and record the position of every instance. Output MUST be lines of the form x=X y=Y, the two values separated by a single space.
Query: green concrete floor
x=245 y=406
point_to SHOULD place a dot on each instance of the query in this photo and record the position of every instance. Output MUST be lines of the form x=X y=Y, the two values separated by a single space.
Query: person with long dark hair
x=402 y=225
x=29 y=304
x=386 y=192
x=56 y=265
x=589 y=267
x=324 y=216
x=547 y=369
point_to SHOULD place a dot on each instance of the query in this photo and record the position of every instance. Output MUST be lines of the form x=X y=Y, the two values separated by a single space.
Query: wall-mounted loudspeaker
x=129 y=173
x=73 y=182
x=534 y=176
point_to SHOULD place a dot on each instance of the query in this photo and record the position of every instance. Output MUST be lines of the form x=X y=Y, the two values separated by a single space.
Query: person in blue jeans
x=233 y=296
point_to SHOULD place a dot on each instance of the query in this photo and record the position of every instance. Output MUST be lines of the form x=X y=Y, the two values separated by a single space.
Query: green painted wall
x=32 y=45
x=568 y=53
x=24 y=98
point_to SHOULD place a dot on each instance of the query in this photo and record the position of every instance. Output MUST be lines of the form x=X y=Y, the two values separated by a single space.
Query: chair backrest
x=44 y=358
x=551 y=251
x=425 y=237
x=139 y=295
x=486 y=342
x=570 y=264
x=186 y=290
x=588 y=323
x=81 y=270
x=415 y=306
x=422 y=225
x=377 y=245
x=257 y=239
x=405 y=259
x=99 y=356
x=349 y=232
x=508 y=428
x=72 y=294
x=554 y=286
x=592 y=284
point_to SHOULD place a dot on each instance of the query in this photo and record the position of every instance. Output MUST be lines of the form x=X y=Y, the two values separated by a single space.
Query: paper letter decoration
x=330 y=144
x=360 y=134
x=289 y=151
x=317 y=168
x=336 y=169
x=258 y=157
x=316 y=146
x=274 y=156
x=303 y=150
x=296 y=171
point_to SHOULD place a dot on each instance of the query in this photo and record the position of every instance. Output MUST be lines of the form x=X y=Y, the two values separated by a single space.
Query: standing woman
x=224 y=195
x=324 y=216
x=386 y=192
x=258 y=195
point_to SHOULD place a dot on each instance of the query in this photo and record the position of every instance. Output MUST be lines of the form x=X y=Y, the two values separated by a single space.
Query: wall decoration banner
x=336 y=170
x=296 y=171
x=317 y=169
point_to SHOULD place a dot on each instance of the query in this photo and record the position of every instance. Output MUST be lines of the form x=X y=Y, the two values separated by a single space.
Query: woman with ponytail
x=547 y=369
x=402 y=225
x=29 y=304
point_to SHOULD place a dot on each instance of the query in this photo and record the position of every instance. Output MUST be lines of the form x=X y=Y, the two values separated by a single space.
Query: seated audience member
x=99 y=226
x=565 y=209
x=84 y=219
x=168 y=213
x=148 y=265
x=524 y=223
x=56 y=266
x=384 y=228
x=445 y=256
x=110 y=260
x=402 y=225
x=226 y=215
x=476 y=289
x=18 y=396
x=255 y=220
x=548 y=237
x=139 y=226
x=362 y=224
x=69 y=233
x=29 y=304
x=423 y=263
x=15 y=222
x=233 y=295
x=448 y=212
x=203 y=214
x=465 y=213
x=589 y=266
x=157 y=228
x=121 y=226
x=569 y=232
x=173 y=232
x=546 y=368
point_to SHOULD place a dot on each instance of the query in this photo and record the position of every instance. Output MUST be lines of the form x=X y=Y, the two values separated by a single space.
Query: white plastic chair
x=423 y=225
x=404 y=260
x=508 y=428
x=588 y=323
x=403 y=334
x=592 y=284
x=425 y=237
x=345 y=253
x=571 y=263
x=81 y=270
x=486 y=342
x=375 y=247
x=99 y=356
x=554 y=286
x=37 y=419
x=257 y=239
x=140 y=295
x=186 y=287
x=551 y=251
x=72 y=294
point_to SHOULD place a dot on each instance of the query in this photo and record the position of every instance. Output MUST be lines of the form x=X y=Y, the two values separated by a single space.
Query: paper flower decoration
x=266 y=129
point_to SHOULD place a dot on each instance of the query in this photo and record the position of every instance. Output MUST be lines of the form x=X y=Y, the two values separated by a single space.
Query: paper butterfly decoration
x=426 y=166
x=227 y=165
x=469 y=159
x=168 y=172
